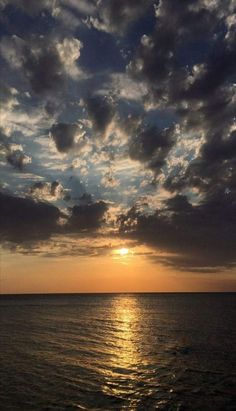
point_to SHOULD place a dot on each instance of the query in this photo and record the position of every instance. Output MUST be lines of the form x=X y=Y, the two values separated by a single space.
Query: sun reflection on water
x=126 y=315
x=125 y=355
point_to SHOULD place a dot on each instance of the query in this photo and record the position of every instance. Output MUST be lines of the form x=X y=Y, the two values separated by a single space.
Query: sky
x=117 y=145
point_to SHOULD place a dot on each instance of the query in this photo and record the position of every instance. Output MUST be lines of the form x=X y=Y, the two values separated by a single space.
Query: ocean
x=118 y=352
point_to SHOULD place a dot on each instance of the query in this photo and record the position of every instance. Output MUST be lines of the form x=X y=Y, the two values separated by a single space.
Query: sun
x=123 y=251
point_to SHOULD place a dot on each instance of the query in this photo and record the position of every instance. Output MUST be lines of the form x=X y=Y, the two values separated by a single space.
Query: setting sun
x=123 y=251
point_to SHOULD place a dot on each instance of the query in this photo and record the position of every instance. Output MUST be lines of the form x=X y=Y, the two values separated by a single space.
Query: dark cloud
x=216 y=70
x=46 y=61
x=43 y=69
x=199 y=85
x=89 y=215
x=213 y=169
x=23 y=219
x=85 y=199
x=30 y=7
x=199 y=236
x=158 y=56
x=64 y=136
x=38 y=58
x=100 y=111
x=150 y=145
x=6 y=93
x=115 y=16
x=220 y=149
x=112 y=16
x=180 y=77
x=26 y=220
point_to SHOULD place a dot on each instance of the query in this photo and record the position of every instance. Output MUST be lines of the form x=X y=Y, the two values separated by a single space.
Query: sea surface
x=118 y=352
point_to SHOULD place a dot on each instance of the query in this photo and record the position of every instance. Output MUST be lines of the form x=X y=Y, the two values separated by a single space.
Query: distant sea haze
x=118 y=352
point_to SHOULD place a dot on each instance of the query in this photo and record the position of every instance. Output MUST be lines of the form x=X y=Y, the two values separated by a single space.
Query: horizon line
x=116 y=292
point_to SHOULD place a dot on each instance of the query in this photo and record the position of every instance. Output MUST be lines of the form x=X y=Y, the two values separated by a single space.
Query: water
x=118 y=352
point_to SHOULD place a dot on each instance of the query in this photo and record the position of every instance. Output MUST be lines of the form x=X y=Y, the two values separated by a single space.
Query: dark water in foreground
x=118 y=352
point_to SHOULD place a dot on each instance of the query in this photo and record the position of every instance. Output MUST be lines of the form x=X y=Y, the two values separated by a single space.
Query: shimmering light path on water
x=118 y=352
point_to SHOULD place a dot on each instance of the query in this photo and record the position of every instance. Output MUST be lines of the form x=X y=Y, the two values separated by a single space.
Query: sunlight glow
x=123 y=251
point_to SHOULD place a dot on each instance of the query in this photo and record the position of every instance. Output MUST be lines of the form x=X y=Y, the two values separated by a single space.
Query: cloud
x=9 y=102
x=115 y=16
x=8 y=95
x=31 y=7
x=45 y=61
x=109 y=181
x=150 y=145
x=163 y=129
x=66 y=136
x=192 y=233
x=43 y=190
x=87 y=216
x=23 y=219
x=69 y=52
x=158 y=61
x=200 y=88
x=213 y=168
x=13 y=153
x=111 y=16
x=30 y=220
x=126 y=88
x=100 y=112
x=18 y=159
x=85 y=199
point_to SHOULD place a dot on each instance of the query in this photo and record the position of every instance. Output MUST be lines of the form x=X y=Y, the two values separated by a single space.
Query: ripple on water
x=118 y=352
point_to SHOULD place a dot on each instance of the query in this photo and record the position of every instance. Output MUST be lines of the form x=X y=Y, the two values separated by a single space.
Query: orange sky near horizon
x=119 y=271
